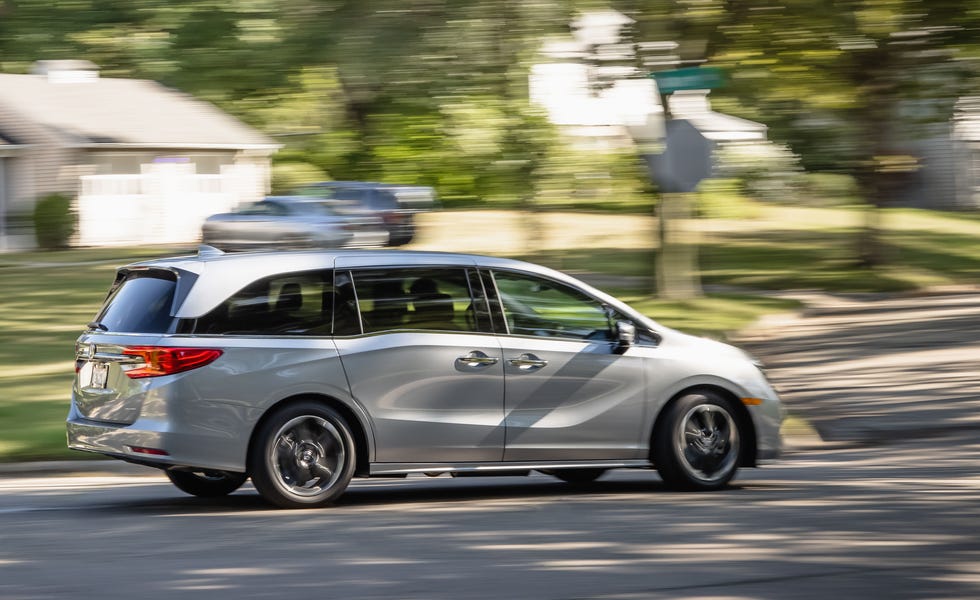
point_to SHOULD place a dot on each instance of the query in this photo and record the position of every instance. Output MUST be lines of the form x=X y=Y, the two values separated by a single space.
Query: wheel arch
x=749 y=449
x=359 y=430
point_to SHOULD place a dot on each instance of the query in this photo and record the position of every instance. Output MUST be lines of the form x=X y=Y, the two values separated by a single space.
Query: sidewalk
x=869 y=369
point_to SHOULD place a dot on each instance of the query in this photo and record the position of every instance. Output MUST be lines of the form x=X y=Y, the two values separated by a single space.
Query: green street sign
x=693 y=78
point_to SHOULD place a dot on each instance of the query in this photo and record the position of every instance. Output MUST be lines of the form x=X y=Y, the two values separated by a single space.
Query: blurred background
x=693 y=156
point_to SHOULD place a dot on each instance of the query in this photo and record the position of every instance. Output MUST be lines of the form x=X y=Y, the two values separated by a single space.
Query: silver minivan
x=303 y=370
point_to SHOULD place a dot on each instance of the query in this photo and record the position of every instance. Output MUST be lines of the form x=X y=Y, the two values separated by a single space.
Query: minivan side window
x=436 y=299
x=546 y=308
x=288 y=304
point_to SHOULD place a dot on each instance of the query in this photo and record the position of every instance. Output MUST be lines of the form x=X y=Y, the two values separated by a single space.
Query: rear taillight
x=155 y=361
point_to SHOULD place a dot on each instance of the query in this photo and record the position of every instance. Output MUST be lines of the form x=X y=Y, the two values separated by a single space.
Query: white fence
x=165 y=204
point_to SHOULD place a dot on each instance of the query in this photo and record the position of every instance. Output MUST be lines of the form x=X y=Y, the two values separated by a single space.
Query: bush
x=766 y=171
x=831 y=189
x=287 y=176
x=724 y=199
x=54 y=221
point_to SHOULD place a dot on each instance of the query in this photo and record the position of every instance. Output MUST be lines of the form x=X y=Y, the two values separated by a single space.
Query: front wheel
x=207 y=484
x=696 y=444
x=303 y=456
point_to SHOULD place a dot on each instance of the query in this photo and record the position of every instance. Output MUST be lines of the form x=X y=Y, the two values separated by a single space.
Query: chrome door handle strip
x=527 y=362
x=113 y=358
x=477 y=359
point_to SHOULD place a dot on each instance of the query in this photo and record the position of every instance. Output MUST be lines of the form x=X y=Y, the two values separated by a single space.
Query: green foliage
x=724 y=199
x=287 y=176
x=436 y=92
x=765 y=171
x=829 y=189
x=54 y=221
x=576 y=178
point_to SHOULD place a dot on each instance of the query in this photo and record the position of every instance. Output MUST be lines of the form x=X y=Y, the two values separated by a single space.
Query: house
x=144 y=163
x=591 y=89
x=965 y=150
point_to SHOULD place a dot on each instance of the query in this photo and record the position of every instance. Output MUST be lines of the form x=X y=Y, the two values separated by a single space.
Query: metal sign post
x=684 y=163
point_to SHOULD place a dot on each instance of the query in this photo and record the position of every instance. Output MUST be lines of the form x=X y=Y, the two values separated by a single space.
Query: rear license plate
x=100 y=374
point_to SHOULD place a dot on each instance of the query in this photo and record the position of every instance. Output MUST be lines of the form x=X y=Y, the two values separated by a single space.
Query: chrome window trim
x=503 y=467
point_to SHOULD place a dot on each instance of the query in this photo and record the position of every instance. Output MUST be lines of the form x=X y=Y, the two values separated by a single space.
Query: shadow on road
x=386 y=492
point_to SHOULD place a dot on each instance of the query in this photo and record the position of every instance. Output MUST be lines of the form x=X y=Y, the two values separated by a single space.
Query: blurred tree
x=849 y=83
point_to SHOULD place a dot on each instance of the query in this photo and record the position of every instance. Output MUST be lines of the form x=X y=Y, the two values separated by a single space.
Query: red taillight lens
x=162 y=360
x=151 y=451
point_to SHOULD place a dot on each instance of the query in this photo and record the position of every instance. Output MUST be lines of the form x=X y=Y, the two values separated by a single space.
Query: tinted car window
x=353 y=195
x=431 y=299
x=310 y=208
x=542 y=307
x=141 y=303
x=291 y=304
x=263 y=208
x=382 y=200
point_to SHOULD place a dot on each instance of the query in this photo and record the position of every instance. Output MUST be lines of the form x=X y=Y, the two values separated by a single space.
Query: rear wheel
x=303 y=456
x=696 y=445
x=207 y=484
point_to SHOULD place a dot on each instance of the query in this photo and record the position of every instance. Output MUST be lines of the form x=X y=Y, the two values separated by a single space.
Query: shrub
x=724 y=199
x=831 y=189
x=287 y=176
x=54 y=221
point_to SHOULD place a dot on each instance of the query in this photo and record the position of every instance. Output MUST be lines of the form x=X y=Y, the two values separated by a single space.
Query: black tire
x=302 y=456
x=577 y=476
x=207 y=484
x=403 y=234
x=697 y=442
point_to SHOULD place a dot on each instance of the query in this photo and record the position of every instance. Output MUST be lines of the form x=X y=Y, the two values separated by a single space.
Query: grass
x=43 y=309
x=714 y=316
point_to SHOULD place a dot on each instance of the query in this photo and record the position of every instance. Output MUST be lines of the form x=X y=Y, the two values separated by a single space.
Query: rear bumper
x=169 y=449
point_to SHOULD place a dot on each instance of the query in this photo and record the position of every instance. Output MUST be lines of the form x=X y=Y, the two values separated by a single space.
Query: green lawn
x=44 y=308
x=814 y=248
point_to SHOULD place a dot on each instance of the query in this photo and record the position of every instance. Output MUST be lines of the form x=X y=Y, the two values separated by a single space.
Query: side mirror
x=625 y=335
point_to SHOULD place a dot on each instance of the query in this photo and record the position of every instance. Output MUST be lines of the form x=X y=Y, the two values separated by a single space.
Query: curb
x=74 y=468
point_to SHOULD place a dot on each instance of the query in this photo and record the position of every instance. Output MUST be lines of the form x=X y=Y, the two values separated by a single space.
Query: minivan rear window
x=141 y=303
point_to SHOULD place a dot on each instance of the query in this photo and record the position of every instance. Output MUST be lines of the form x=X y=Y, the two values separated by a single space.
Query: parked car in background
x=292 y=222
x=302 y=370
x=395 y=204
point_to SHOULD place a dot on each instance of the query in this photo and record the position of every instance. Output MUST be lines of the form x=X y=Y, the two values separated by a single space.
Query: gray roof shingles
x=124 y=111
